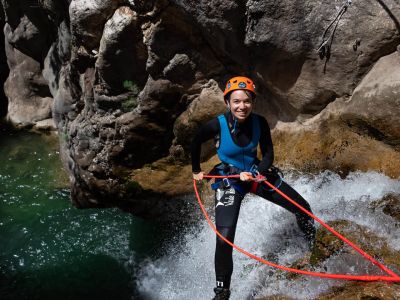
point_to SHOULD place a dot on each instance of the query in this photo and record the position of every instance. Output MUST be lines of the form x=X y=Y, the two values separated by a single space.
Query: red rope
x=393 y=278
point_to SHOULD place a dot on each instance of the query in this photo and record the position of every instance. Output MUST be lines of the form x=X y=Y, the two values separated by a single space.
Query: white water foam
x=266 y=230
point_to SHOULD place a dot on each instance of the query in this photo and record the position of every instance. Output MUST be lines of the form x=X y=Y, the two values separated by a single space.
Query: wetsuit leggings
x=227 y=206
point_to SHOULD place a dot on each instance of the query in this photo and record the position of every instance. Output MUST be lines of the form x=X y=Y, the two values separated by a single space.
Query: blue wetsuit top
x=230 y=153
x=242 y=136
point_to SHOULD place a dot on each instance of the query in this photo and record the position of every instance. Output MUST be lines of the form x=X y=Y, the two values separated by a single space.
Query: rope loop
x=393 y=277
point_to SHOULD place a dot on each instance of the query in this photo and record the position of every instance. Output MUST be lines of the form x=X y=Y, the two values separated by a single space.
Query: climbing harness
x=392 y=278
x=225 y=181
x=273 y=172
x=324 y=49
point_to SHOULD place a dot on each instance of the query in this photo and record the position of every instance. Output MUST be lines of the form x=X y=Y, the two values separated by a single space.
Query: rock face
x=3 y=68
x=29 y=31
x=359 y=133
x=25 y=108
x=129 y=82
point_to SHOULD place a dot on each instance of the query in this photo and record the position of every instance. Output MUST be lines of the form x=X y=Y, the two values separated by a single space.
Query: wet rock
x=327 y=244
x=364 y=291
x=390 y=205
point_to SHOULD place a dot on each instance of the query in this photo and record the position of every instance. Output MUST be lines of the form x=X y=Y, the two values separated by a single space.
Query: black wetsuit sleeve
x=205 y=133
x=267 y=149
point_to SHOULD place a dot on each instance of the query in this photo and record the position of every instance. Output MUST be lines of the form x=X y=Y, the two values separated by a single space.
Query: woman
x=237 y=134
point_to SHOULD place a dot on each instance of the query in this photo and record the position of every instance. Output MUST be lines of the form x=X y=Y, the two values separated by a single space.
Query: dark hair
x=248 y=93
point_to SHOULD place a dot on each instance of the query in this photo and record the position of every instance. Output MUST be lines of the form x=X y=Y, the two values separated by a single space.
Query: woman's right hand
x=246 y=176
x=199 y=176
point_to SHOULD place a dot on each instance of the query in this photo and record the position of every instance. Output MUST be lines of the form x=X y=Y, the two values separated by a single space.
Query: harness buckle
x=254 y=170
x=226 y=182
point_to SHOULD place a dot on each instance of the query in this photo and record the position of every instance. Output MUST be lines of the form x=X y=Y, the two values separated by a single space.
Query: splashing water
x=266 y=230
x=51 y=250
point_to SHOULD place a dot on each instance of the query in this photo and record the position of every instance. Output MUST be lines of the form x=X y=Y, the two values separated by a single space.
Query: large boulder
x=376 y=102
x=359 y=133
x=29 y=98
x=30 y=29
x=121 y=45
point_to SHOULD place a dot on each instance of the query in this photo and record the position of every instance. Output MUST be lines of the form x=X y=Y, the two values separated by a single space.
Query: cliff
x=127 y=84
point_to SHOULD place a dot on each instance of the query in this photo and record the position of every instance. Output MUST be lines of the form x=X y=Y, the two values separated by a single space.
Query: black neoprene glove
x=263 y=167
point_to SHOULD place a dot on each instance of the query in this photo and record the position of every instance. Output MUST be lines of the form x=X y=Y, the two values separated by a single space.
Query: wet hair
x=248 y=93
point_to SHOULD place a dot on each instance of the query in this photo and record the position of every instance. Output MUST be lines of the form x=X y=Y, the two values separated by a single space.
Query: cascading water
x=269 y=231
x=51 y=250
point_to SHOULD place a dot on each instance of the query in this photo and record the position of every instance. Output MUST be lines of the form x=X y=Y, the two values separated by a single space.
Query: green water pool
x=52 y=250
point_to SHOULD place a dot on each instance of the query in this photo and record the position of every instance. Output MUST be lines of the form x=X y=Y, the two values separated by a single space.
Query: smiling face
x=240 y=104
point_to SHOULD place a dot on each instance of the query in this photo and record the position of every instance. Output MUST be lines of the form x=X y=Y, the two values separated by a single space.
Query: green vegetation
x=132 y=187
x=64 y=136
x=129 y=85
x=131 y=102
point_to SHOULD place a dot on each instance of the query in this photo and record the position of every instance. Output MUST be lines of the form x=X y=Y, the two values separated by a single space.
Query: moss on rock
x=166 y=177
x=332 y=145
x=390 y=205
x=363 y=291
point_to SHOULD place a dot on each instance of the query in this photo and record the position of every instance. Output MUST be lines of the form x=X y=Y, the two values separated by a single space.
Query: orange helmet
x=240 y=83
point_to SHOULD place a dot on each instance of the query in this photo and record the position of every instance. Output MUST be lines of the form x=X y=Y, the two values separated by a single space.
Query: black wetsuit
x=228 y=199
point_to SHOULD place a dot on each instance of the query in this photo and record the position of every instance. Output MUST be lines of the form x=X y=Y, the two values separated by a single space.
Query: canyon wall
x=128 y=83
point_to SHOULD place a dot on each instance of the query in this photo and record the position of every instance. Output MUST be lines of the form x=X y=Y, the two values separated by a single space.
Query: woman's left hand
x=246 y=176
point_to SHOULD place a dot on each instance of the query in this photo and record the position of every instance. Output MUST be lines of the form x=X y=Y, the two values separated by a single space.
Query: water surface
x=52 y=250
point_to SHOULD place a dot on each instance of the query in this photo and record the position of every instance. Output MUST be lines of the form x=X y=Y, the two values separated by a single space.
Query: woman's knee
x=226 y=232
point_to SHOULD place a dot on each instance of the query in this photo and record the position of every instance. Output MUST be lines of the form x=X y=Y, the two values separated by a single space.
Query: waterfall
x=264 y=229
